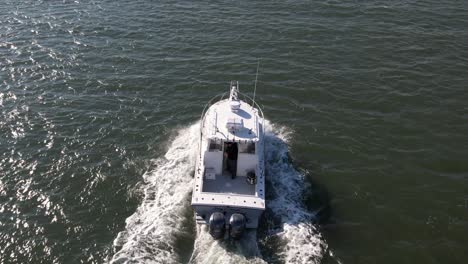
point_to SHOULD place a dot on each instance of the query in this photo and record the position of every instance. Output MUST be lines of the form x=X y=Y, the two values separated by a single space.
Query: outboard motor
x=237 y=223
x=217 y=225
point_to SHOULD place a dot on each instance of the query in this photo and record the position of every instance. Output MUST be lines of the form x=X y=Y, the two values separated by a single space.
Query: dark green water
x=370 y=98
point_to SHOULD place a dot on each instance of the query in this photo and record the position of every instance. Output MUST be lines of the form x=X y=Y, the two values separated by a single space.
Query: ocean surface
x=367 y=145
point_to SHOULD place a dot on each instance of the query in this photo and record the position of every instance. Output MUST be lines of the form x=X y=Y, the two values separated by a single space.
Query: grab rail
x=221 y=97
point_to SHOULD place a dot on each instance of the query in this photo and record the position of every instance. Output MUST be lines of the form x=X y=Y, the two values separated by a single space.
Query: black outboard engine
x=217 y=225
x=237 y=224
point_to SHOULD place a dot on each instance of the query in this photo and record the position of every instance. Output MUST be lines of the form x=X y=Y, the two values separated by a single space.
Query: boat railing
x=220 y=97
x=210 y=103
x=214 y=99
x=257 y=106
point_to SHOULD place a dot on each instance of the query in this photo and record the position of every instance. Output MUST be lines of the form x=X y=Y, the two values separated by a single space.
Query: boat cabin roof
x=229 y=120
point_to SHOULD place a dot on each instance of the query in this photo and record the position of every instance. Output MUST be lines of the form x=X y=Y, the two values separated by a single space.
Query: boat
x=229 y=180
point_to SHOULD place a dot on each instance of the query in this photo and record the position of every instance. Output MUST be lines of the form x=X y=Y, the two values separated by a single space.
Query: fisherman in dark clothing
x=231 y=154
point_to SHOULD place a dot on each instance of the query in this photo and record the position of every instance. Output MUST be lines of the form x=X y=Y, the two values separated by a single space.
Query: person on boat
x=231 y=154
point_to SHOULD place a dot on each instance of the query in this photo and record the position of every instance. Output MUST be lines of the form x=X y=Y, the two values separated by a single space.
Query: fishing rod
x=255 y=88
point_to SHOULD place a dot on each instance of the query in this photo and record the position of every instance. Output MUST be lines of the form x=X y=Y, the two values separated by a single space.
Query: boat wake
x=162 y=230
x=207 y=250
x=156 y=232
x=288 y=233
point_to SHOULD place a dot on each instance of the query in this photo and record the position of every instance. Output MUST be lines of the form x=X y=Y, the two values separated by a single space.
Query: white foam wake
x=287 y=219
x=153 y=232
x=210 y=251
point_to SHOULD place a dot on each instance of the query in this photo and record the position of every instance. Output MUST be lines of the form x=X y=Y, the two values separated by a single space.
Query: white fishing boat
x=229 y=186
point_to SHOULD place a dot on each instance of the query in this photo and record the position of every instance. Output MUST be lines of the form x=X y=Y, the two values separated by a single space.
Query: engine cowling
x=237 y=225
x=217 y=225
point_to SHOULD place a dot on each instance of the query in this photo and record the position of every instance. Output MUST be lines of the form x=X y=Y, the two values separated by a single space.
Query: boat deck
x=225 y=184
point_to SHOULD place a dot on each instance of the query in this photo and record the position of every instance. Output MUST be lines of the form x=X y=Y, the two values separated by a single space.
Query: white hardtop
x=224 y=124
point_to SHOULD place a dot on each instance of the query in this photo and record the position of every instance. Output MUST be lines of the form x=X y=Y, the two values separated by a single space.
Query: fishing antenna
x=255 y=88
